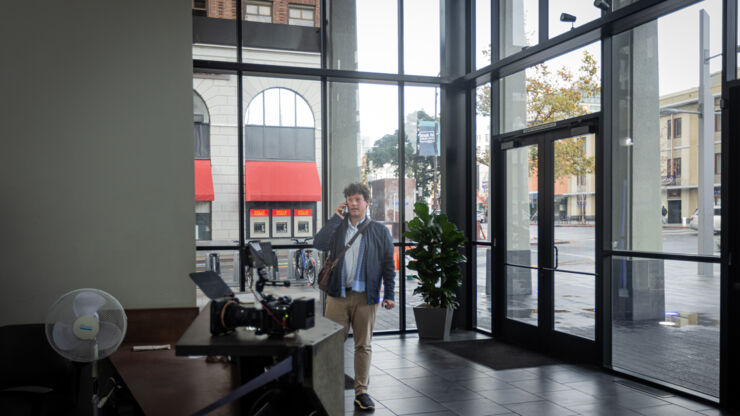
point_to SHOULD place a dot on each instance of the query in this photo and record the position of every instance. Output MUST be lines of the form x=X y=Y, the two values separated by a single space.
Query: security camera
x=602 y=4
x=565 y=17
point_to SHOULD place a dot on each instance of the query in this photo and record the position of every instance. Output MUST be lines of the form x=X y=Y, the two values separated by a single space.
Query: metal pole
x=706 y=150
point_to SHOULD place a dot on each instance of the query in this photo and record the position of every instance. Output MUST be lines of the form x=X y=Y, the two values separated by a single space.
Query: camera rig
x=278 y=315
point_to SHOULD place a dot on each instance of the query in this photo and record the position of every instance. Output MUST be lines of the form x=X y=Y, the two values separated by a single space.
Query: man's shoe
x=364 y=402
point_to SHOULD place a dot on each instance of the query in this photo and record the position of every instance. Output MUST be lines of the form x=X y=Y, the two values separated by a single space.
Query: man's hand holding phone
x=342 y=210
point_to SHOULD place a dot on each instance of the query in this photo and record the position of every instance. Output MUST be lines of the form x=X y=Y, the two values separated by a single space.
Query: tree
x=385 y=152
x=551 y=97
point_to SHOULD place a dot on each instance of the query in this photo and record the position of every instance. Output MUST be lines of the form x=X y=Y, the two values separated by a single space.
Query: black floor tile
x=413 y=405
x=477 y=407
x=485 y=383
x=540 y=408
x=539 y=385
x=602 y=409
x=452 y=393
x=509 y=396
x=568 y=398
x=412 y=377
x=666 y=410
x=393 y=392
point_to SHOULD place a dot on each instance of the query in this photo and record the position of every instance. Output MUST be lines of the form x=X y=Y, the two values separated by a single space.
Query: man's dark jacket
x=377 y=257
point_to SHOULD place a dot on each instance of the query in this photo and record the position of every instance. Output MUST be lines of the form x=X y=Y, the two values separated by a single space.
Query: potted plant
x=436 y=257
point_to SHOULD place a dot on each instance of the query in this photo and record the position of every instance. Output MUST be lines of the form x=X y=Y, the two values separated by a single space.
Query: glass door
x=522 y=234
x=573 y=228
x=549 y=235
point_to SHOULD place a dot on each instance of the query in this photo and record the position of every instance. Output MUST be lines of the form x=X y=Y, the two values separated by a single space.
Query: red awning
x=281 y=181
x=203 y=181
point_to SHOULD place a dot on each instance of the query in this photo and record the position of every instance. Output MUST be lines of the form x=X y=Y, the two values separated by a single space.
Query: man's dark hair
x=357 y=188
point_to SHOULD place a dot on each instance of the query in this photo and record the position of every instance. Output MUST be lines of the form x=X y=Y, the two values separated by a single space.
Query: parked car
x=694 y=220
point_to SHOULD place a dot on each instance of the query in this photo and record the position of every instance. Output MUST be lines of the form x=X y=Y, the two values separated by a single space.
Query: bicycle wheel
x=249 y=277
x=311 y=272
x=298 y=270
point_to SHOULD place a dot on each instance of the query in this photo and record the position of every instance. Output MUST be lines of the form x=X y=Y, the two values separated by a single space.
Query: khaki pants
x=354 y=310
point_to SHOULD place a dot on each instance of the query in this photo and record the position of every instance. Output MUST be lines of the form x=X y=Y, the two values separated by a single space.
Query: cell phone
x=345 y=210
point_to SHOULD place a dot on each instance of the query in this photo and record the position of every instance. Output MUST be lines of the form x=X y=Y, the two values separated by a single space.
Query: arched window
x=201 y=128
x=279 y=126
x=279 y=107
x=203 y=176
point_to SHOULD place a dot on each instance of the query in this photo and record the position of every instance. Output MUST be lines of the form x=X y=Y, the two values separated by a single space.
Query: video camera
x=277 y=317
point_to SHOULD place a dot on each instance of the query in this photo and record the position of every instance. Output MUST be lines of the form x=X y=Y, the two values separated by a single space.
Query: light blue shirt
x=353 y=259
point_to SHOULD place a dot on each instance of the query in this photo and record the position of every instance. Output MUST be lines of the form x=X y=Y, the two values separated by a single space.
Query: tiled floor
x=409 y=376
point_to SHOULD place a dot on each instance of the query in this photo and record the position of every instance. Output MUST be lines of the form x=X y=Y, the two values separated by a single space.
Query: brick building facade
x=226 y=9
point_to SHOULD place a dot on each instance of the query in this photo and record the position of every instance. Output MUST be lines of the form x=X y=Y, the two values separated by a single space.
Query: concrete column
x=513 y=107
x=343 y=104
x=638 y=284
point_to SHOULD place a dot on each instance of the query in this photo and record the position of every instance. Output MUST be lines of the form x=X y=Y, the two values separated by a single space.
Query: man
x=354 y=288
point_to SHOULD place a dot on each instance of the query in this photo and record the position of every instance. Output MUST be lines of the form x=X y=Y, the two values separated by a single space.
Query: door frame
x=543 y=337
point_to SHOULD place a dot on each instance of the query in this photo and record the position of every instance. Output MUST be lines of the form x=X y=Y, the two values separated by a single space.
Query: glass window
x=664 y=214
x=561 y=88
x=201 y=128
x=258 y=11
x=281 y=142
x=223 y=262
x=364 y=36
x=483 y=163
x=363 y=147
x=484 y=288
x=666 y=321
x=216 y=185
x=482 y=33
x=202 y=220
x=200 y=8
x=422 y=151
x=677 y=128
x=421 y=37
x=211 y=27
x=519 y=25
x=717 y=163
x=563 y=12
x=301 y=15
x=412 y=300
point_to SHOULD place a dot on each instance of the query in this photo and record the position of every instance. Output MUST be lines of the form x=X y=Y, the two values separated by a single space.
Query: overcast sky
x=678 y=49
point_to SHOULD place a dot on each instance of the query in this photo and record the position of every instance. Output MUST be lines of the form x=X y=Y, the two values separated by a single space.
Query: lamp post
x=705 y=144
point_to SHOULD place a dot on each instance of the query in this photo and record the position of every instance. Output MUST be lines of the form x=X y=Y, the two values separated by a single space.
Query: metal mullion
x=217 y=248
x=495 y=32
x=240 y=148
x=603 y=327
x=324 y=36
x=546 y=237
x=471 y=18
x=280 y=71
x=399 y=23
x=401 y=208
x=324 y=148
x=543 y=26
x=728 y=381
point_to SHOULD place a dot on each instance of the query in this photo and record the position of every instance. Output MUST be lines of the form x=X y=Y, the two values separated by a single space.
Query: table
x=323 y=357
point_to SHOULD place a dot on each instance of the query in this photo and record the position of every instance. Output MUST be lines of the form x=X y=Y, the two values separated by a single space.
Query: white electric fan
x=86 y=325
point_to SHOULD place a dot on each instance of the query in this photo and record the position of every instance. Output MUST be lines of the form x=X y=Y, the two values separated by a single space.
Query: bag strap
x=352 y=240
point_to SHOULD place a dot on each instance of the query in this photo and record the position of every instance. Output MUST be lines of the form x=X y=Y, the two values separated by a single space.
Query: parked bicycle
x=305 y=264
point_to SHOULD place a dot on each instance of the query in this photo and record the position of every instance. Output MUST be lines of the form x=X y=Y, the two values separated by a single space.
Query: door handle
x=556 y=256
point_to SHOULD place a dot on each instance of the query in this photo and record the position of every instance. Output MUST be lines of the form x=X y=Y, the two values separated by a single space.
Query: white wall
x=96 y=153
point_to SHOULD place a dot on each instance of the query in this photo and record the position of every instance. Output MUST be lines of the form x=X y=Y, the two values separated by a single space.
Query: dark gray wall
x=96 y=168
